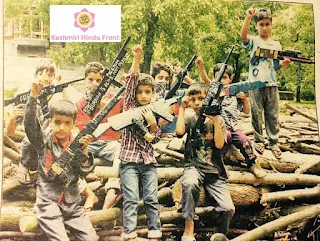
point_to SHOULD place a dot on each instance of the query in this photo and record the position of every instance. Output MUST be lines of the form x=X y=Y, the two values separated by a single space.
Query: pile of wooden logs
x=284 y=205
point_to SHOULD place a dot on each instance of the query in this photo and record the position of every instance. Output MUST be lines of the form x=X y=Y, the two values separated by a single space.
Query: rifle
x=276 y=54
x=134 y=116
x=233 y=89
x=46 y=91
x=73 y=156
x=211 y=105
x=108 y=77
x=180 y=78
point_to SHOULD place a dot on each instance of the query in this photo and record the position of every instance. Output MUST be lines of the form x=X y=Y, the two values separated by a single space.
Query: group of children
x=58 y=206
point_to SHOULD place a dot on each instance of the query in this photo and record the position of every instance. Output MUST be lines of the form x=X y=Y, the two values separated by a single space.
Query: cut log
x=295 y=109
x=29 y=224
x=94 y=185
x=279 y=224
x=10 y=216
x=176 y=230
x=290 y=195
x=242 y=195
x=7 y=141
x=168 y=152
x=308 y=149
x=98 y=217
x=11 y=235
x=11 y=154
x=234 y=177
x=9 y=185
x=18 y=136
x=306 y=167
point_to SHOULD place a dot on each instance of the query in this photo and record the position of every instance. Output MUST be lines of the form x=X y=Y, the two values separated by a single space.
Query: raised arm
x=181 y=126
x=203 y=73
x=245 y=27
x=31 y=122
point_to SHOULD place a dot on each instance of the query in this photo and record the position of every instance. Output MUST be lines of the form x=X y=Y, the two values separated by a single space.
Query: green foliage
x=177 y=29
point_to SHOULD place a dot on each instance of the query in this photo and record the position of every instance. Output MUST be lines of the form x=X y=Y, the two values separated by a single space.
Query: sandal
x=259 y=146
x=276 y=151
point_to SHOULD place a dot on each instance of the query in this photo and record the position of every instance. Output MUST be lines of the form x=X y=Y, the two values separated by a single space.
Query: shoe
x=219 y=237
x=276 y=151
x=25 y=176
x=259 y=146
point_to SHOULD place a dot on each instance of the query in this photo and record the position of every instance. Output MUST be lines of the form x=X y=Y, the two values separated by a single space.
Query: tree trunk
x=10 y=216
x=242 y=195
x=11 y=154
x=7 y=141
x=290 y=195
x=234 y=177
x=276 y=225
x=9 y=185
x=98 y=217
x=306 y=167
x=295 y=109
x=148 y=50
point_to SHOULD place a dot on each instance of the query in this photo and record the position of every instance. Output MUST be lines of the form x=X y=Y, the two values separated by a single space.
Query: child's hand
x=85 y=141
x=137 y=51
x=18 y=111
x=185 y=101
x=199 y=62
x=251 y=11
x=37 y=85
x=285 y=62
x=148 y=116
x=241 y=96
x=215 y=119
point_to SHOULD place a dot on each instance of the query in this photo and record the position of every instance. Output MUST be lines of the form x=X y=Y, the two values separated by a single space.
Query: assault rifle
x=46 y=91
x=108 y=77
x=180 y=78
x=235 y=88
x=134 y=116
x=211 y=105
x=73 y=156
x=276 y=54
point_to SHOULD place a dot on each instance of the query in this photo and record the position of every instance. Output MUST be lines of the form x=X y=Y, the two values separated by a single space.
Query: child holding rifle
x=264 y=100
x=57 y=205
x=138 y=162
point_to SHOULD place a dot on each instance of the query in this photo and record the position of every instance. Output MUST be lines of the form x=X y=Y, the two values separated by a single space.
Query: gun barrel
x=299 y=60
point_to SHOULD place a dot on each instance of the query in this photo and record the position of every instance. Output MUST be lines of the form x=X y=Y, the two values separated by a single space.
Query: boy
x=107 y=148
x=137 y=157
x=57 y=205
x=29 y=158
x=264 y=99
x=45 y=72
x=204 y=163
x=230 y=108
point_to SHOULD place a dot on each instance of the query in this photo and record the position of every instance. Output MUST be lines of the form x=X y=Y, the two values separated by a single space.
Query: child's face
x=226 y=80
x=144 y=94
x=92 y=81
x=264 y=27
x=196 y=101
x=61 y=126
x=47 y=78
x=162 y=76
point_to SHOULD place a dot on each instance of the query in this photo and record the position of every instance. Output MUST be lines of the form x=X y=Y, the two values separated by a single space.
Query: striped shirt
x=134 y=148
x=230 y=110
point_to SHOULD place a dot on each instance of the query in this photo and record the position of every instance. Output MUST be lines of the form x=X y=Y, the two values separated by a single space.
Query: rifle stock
x=126 y=118
x=180 y=78
x=276 y=54
x=108 y=77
